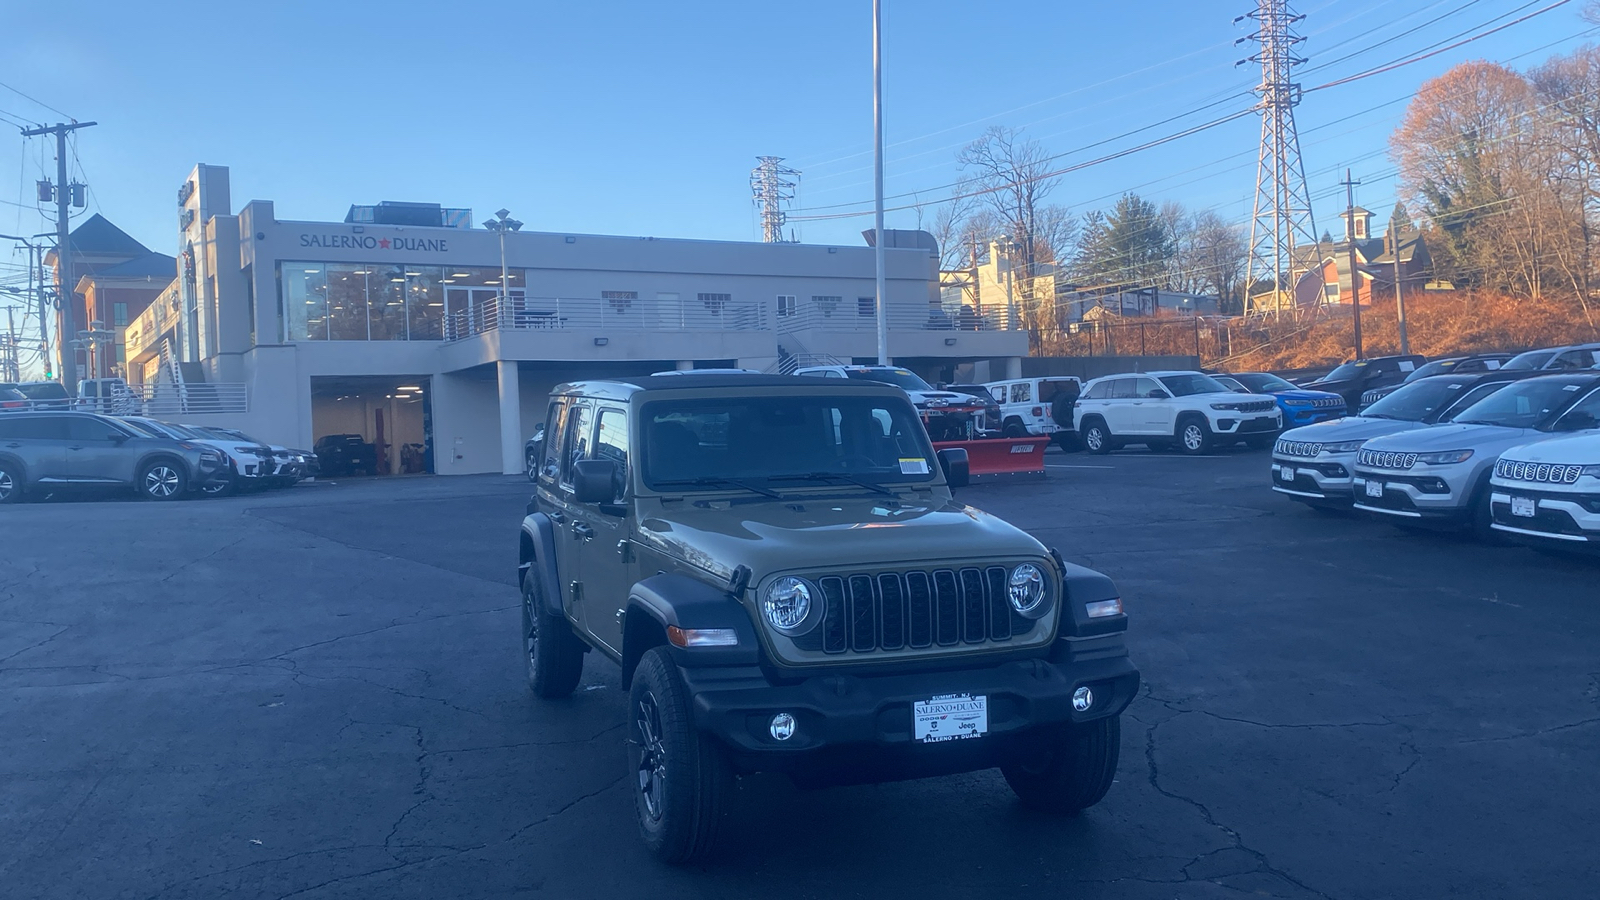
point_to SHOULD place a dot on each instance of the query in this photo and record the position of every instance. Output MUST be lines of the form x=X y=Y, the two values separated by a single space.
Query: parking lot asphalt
x=318 y=694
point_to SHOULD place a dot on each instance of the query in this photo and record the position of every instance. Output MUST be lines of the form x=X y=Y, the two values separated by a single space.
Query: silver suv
x=43 y=451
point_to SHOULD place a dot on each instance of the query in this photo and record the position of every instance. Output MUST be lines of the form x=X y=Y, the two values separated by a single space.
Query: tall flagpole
x=877 y=177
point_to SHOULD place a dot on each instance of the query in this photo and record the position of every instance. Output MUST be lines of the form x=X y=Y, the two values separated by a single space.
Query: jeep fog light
x=786 y=603
x=1026 y=590
x=702 y=637
x=1082 y=699
x=1099 y=609
x=782 y=727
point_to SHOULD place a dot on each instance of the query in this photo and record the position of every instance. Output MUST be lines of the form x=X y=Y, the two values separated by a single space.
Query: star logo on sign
x=384 y=243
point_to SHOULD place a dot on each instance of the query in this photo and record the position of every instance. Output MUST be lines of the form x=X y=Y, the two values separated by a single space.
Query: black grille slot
x=919 y=594
x=863 y=618
x=999 y=604
x=973 y=614
x=835 y=627
x=891 y=613
x=947 y=610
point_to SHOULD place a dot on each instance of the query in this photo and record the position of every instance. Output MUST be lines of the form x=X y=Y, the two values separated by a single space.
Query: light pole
x=502 y=224
x=877 y=181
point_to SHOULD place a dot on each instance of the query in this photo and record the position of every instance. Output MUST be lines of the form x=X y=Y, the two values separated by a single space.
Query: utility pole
x=69 y=365
x=1282 y=220
x=1399 y=295
x=771 y=188
x=877 y=178
x=1350 y=245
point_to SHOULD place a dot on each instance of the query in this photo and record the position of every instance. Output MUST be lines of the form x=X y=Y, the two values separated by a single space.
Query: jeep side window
x=1122 y=389
x=999 y=394
x=575 y=442
x=1583 y=416
x=553 y=439
x=611 y=442
x=1148 y=388
x=1021 y=392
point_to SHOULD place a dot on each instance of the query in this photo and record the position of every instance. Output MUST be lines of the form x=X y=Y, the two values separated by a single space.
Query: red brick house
x=114 y=278
x=1328 y=279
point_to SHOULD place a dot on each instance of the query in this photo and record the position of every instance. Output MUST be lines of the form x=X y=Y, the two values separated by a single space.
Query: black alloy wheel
x=553 y=655
x=682 y=781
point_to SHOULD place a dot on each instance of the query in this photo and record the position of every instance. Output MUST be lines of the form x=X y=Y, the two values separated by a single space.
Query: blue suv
x=1300 y=406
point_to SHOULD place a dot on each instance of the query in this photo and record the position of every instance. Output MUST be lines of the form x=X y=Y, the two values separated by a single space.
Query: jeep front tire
x=553 y=654
x=681 y=777
x=1194 y=435
x=1072 y=775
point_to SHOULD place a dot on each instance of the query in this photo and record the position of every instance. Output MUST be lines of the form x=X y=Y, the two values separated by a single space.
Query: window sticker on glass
x=914 y=465
x=1570 y=387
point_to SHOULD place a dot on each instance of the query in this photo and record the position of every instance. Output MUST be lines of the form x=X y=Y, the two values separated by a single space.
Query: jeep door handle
x=557 y=516
x=582 y=531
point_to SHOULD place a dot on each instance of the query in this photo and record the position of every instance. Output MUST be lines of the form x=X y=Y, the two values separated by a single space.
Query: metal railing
x=155 y=400
x=519 y=313
x=859 y=317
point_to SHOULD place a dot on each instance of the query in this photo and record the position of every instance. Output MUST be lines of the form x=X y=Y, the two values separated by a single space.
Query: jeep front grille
x=1306 y=449
x=1546 y=473
x=1257 y=406
x=1328 y=402
x=865 y=612
x=1379 y=459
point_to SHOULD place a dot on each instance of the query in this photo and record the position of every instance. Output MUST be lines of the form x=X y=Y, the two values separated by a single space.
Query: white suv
x=1159 y=409
x=1439 y=476
x=923 y=395
x=1547 y=494
x=1025 y=404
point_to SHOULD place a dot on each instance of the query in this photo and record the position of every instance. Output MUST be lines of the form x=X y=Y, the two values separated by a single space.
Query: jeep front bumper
x=858 y=728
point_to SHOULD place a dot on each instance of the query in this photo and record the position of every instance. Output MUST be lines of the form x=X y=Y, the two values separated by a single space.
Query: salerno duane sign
x=369 y=242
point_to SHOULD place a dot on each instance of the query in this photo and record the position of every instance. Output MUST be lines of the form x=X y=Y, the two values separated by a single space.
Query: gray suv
x=61 y=450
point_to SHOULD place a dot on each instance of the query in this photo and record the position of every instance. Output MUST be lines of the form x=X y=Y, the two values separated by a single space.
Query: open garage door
x=372 y=425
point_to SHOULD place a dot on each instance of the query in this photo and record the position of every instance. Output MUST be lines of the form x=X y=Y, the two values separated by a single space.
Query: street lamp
x=502 y=224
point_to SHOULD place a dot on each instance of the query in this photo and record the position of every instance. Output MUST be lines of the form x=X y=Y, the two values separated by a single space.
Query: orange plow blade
x=1003 y=459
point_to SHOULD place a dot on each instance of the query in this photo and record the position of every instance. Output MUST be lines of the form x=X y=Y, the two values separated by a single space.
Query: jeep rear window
x=756 y=439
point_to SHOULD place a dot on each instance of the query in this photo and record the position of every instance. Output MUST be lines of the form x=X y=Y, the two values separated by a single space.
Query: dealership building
x=439 y=342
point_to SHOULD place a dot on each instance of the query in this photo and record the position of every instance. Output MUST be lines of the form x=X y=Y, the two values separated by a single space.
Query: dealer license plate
x=1523 y=506
x=1374 y=489
x=950 y=717
x=1286 y=473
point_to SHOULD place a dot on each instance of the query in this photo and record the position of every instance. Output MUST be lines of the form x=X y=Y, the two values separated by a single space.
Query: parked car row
x=45 y=452
x=1513 y=452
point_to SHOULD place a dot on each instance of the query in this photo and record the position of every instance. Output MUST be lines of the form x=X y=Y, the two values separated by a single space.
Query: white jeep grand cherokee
x=1159 y=409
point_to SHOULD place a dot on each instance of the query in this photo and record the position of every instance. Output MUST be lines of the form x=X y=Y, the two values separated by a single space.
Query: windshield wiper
x=713 y=481
x=818 y=476
x=1367 y=415
x=1474 y=422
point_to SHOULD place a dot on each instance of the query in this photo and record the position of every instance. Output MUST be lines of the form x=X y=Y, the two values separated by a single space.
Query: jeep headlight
x=786 y=604
x=1343 y=447
x=1592 y=471
x=1226 y=407
x=1448 y=457
x=1026 y=589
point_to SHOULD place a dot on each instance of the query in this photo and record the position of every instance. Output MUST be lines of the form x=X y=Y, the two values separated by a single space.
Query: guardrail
x=518 y=313
x=154 y=400
x=854 y=317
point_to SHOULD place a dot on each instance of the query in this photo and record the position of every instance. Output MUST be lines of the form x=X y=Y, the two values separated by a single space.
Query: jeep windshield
x=1189 y=385
x=1417 y=401
x=1526 y=404
x=758 y=443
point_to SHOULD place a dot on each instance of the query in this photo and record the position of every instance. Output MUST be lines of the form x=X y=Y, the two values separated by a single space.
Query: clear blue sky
x=646 y=117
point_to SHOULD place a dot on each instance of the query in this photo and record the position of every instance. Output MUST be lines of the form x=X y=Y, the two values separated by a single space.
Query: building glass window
x=119 y=314
x=425 y=302
x=866 y=306
x=785 y=305
x=305 y=301
x=386 y=303
x=347 y=302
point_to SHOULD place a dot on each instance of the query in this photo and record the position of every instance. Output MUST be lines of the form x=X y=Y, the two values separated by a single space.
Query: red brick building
x=114 y=278
x=1328 y=278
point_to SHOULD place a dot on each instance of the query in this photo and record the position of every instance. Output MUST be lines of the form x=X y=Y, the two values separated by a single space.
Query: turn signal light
x=702 y=637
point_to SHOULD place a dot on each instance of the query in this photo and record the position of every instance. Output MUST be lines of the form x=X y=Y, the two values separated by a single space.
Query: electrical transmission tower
x=770 y=185
x=1281 y=224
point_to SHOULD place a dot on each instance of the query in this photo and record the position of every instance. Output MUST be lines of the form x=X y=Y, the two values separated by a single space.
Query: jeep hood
x=1572 y=450
x=825 y=531
x=1485 y=438
x=1350 y=428
x=1308 y=395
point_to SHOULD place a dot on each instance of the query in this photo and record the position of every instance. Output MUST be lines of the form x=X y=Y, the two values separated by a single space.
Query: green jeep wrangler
x=779 y=568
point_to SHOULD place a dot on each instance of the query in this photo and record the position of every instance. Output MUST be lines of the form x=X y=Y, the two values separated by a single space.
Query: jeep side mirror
x=594 y=480
x=953 y=460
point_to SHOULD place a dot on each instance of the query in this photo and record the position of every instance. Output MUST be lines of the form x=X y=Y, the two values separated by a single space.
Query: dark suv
x=779 y=568
x=44 y=451
x=1353 y=379
x=346 y=454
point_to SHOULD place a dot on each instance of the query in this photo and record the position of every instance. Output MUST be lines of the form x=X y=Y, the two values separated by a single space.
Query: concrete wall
x=466 y=424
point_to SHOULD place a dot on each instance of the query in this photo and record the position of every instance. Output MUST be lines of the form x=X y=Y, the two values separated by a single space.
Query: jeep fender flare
x=662 y=601
x=536 y=558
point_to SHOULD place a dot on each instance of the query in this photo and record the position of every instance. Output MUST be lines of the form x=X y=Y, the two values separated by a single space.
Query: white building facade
x=404 y=333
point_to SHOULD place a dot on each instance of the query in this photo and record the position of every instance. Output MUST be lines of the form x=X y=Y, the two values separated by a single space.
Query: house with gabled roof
x=1327 y=277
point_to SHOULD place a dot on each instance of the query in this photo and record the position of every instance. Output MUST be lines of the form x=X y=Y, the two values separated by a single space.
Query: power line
x=35 y=100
